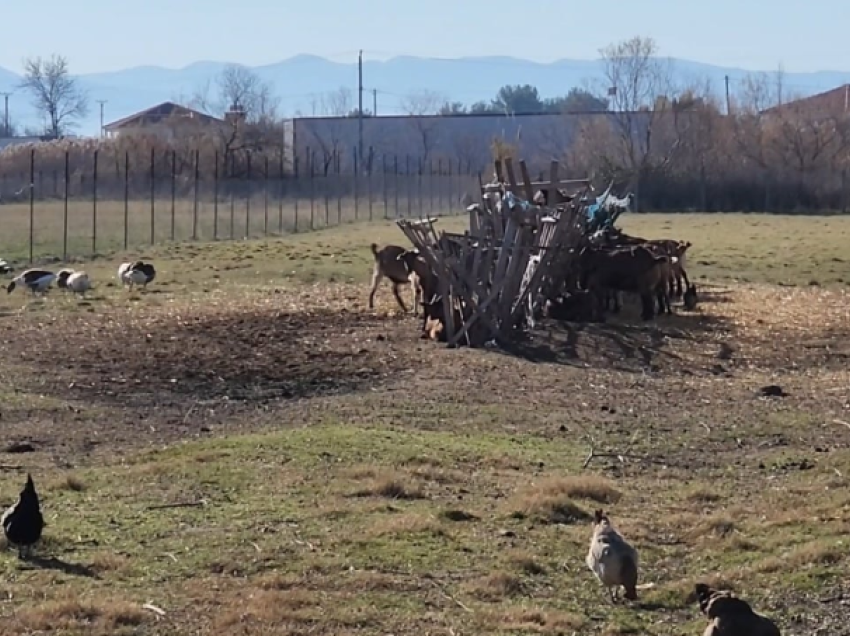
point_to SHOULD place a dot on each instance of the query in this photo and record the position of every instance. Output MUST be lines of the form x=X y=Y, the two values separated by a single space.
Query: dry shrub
x=278 y=581
x=269 y=606
x=411 y=523
x=391 y=485
x=592 y=487
x=526 y=563
x=458 y=515
x=807 y=554
x=703 y=495
x=74 y=483
x=534 y=620
x=108 y=562
x=495 y=587
x=547 y=502
x=95 y=616
x=716 y=526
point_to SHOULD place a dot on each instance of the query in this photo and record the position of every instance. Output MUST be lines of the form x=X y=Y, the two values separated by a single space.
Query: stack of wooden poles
x=522 y=243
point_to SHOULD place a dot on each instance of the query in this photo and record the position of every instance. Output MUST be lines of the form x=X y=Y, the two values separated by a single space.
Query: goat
x=637 y=269
x=731 y=616
x=402 y=267
x=612 y=559
x=612 y=237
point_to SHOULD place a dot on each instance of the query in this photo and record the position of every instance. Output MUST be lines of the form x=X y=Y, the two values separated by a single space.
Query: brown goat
x=730 y=615
x=670 y=247
x=636 y=269
x=402 y=267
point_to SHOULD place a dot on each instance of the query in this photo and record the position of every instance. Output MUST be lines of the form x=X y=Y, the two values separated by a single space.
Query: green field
x=245 y=448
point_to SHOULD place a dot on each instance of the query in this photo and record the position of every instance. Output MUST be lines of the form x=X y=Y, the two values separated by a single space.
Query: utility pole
x=101 y=102
x=375 y=102
x=360 y=111
x=728 y=101
x=6 y=132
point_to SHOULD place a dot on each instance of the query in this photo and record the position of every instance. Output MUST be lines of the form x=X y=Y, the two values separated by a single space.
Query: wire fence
x=67 y=212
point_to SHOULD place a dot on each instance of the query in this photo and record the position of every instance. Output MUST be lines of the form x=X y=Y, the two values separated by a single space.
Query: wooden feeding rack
x=495 y=275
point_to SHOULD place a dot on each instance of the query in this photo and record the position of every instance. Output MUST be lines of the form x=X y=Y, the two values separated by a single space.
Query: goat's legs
x=663 y=300
x=414 y=284
x=648 y=306
x=377 y=277
x=684 y=275
x=398 y=298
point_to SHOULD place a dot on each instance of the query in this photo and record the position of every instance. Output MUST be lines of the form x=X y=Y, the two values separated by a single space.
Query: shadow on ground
x=623 y=344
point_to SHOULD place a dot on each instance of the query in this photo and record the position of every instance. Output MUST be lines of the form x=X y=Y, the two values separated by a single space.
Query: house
x=829 y=104
x=167 y=120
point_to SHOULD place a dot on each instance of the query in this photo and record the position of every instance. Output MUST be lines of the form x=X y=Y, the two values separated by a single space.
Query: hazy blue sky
x=99 y=35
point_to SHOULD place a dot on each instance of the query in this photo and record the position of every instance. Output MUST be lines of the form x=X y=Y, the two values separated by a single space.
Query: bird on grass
x=23 y=522
x=36 y=280
x=136 y=273
x=62 y=278
x=612 y=559
x=5 y=268
x=73 y=281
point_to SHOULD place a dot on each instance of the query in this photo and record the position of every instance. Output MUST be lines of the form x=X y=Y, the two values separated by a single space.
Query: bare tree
x=337 y=103
x=55 y=93
x=640 y=90
x=420 y=108
x=239 y=87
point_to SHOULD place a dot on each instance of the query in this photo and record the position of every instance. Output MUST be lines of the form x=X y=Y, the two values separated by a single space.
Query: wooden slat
x=511 y=175
x=527 y=186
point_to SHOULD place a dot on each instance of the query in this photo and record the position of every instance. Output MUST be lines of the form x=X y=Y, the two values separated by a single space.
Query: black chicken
x=23 y=523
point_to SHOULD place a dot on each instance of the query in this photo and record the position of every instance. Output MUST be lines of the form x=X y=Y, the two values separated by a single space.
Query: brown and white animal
x=402 y=267
x=730 y=615
x=612 y=559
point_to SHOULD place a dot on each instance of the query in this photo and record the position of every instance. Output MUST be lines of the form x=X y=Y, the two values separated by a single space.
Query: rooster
x=23 y=523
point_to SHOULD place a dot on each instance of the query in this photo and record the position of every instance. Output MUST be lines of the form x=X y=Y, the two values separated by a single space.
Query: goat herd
x=609 y=263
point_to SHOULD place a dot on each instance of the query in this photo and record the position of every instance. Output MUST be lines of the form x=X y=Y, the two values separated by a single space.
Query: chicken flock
x=39 y=281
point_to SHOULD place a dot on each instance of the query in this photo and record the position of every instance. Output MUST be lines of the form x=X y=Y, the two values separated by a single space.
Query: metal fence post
x=65 y=210
x=153 y=195
x=215 y=198
x=94 y=206
x=173 y=191
x=266 y=195
x=280 y=193
x=248 y=198
x=126 y=198
x=356 y=187
x=195 y=202
x=32 y=203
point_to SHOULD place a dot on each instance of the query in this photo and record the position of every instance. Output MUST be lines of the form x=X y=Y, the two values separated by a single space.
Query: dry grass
x=495 y=587
x=69 y=614
x=256 y=395
x=391 y=486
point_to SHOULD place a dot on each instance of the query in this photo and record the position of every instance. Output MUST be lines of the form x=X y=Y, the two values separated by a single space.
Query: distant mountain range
x=302 y=81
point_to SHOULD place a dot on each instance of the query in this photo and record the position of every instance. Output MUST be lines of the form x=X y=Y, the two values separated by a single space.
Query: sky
x=101 y=35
